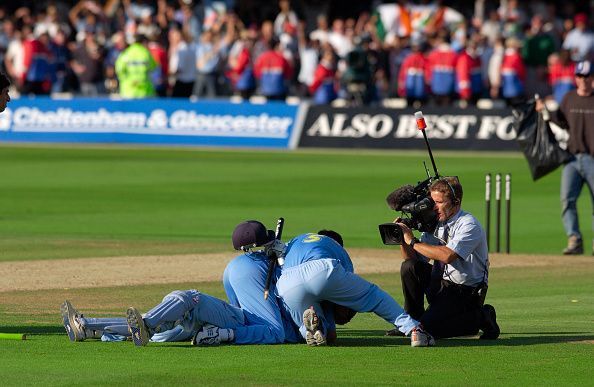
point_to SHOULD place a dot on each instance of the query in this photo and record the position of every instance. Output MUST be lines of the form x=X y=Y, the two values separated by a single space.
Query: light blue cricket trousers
x=314 y=281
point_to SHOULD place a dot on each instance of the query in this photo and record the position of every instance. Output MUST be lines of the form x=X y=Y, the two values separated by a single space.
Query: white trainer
x=420 y=338
x=71 y=320
x=137 y=327
x=211 y=335
x=314 y=336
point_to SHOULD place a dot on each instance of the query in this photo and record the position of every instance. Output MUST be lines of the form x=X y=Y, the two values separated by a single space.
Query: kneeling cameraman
x=456 y=283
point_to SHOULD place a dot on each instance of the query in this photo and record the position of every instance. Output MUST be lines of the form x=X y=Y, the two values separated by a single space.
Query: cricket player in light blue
x=316 y=269
x=248 y=319
x=216 y=321
x=110 y=329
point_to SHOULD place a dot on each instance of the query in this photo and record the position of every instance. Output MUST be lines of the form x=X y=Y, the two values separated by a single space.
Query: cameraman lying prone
x=456 y=283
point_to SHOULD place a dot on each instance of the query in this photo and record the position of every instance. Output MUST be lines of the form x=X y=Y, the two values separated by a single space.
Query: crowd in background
x=420 y=51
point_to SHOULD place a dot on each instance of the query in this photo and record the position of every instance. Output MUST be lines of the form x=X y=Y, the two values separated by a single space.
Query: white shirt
x=183 y=63
x=466 y=238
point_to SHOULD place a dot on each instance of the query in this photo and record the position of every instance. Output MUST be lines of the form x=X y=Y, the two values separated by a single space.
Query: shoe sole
x=137 y=327
x=314 y=337
x=68 y=314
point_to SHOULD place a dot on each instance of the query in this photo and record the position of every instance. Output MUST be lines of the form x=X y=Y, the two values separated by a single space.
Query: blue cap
x=583 y=68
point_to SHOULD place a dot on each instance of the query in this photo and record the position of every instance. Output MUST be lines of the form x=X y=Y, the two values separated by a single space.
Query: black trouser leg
x=452 y=313
x=415 y=275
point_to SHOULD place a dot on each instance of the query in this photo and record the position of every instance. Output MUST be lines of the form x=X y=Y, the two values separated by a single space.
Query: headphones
x=455 y=199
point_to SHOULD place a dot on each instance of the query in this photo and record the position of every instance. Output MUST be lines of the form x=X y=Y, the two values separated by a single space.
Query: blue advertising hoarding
x=149 y=121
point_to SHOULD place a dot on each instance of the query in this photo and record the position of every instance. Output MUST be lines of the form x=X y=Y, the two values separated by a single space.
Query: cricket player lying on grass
x=252 y=320
x=249 y=319
x=316 y=268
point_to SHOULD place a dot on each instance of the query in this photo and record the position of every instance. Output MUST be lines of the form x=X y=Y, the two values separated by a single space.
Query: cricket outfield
x=112 y=227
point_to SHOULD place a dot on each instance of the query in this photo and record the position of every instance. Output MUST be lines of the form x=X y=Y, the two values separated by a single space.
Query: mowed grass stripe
x=191 y=199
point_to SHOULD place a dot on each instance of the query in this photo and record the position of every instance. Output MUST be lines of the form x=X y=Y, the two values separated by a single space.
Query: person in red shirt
x=469 y=82
x=323 y=88
x=241 y=71
x=272 y=71
x=441 y=70
x=561 y=74
x=37 y=59
x=412 y=84
x=513 y=73
x=159 y=75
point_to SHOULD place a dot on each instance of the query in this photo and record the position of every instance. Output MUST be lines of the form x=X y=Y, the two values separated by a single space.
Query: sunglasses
x=582 y=76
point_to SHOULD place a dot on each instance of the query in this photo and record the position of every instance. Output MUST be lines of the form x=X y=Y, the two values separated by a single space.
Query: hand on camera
x=406 y=232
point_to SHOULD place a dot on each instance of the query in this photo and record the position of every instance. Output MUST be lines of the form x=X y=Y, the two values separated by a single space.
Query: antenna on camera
x=426 y=169
x=422 y=125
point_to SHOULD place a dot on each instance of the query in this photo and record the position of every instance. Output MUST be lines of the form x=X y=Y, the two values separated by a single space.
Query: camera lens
x=391 y=234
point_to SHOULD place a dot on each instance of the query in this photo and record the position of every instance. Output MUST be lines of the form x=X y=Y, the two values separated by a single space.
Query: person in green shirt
x=133 y=68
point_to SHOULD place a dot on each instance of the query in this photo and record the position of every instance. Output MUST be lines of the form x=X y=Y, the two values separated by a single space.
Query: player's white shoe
x=420 y=338
x=137 y=327
x=71 y=320
x=211 y=335
x=314 y=336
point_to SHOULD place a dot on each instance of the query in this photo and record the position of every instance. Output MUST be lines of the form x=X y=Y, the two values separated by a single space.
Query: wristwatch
x=413 y=241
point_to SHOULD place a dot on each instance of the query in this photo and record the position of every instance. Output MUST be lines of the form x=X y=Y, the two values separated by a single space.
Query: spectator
x=537 y=47
x=285 y=16
x=50 y=22
x=209 y=53
x=133 y=68
x=7 y=34
x=411 y=78
x=323 y=88
x=341 y=44
x=37 y=59
x=262 y=44
x=494 y=69
x=62 y=56
x=146 y=25
x=309 y=50
x=576 y=114
x=186 y=17
x=241 y=69
x=272 y=71
x=182 y=62
x=441 y=75
x=322 y=31
x=357 y=79
x=491 y=28
x=561 y=74
x=14 y=60
x=580 y=40
x=87 y=64
x=117 y=45
x=86 y=15
x=513 y=73
x=469 y=83
x=159 y=75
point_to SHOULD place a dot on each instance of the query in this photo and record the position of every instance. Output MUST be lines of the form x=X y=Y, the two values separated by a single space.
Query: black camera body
x=416 y=206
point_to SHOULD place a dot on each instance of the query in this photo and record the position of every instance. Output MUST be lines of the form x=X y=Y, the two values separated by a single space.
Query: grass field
x=92 y=202
x=58 y=202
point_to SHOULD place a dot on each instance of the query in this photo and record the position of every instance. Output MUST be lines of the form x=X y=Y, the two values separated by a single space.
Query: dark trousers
x=454 y=310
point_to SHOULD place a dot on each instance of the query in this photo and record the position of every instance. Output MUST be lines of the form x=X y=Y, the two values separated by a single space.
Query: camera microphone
x=401 y=197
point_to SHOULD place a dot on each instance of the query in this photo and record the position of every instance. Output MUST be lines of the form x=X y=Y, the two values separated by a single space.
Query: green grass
x=546 y=340
x=59 y=202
